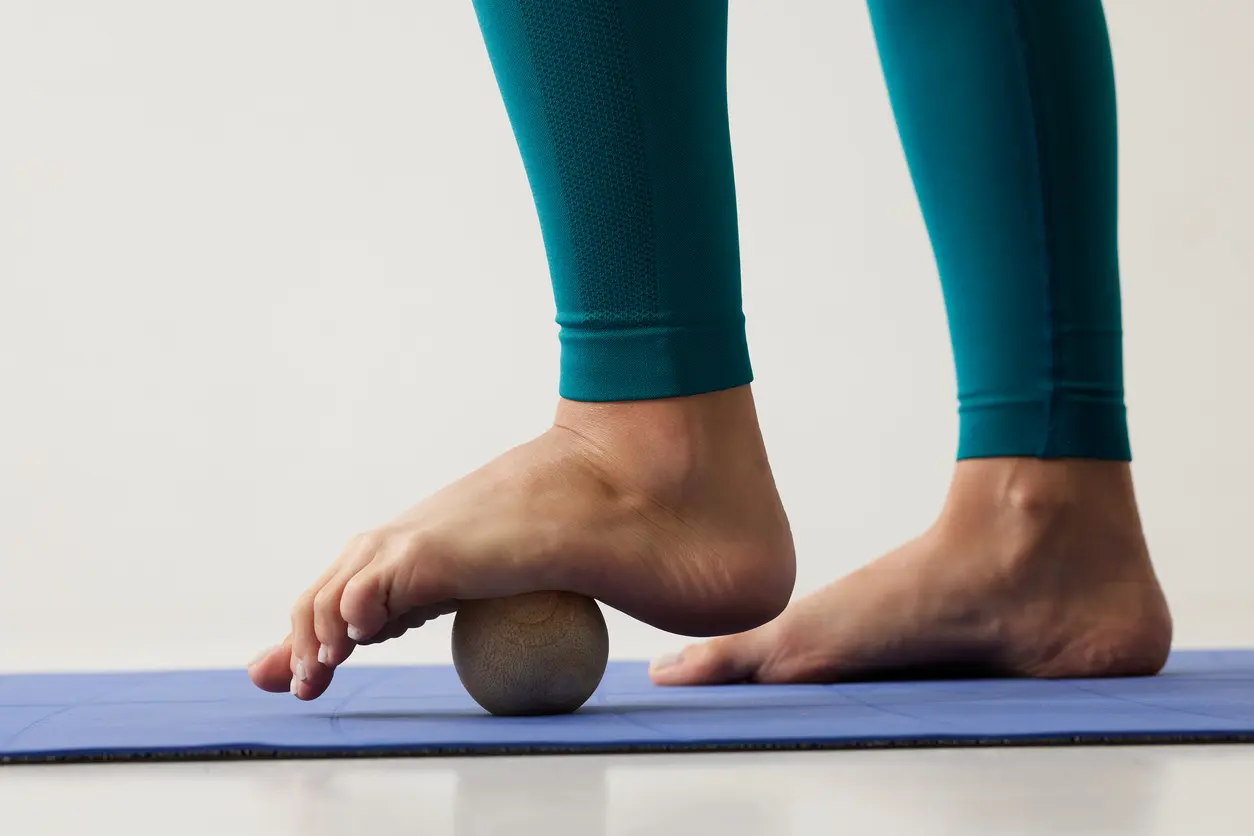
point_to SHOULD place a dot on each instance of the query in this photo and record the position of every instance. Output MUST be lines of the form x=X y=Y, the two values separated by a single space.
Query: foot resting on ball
x=665 y=510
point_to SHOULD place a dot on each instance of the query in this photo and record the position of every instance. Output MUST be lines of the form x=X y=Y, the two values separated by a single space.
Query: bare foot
x=1035 y=568
x=665 y=510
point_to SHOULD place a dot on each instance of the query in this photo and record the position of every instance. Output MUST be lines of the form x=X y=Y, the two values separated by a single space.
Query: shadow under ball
x=531 y=654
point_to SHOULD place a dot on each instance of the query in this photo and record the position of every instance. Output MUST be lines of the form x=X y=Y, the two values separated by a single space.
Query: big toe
x=271 y=670
x=719 y=661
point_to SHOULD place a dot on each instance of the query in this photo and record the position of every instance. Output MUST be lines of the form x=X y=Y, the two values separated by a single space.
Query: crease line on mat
x=12 y=739
x=959 y=697
x=871 y=705
x=631 y=721
x=337 y=712
x=1151 y=705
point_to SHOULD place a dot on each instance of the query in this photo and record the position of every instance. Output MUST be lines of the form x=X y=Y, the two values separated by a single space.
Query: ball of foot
x=532 y=654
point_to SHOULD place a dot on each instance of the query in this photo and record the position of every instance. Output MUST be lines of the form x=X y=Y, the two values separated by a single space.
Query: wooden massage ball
x=538 y=653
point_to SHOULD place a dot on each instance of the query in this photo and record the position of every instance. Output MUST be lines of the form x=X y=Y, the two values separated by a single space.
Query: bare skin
x=1035 y=568
x=665 y=510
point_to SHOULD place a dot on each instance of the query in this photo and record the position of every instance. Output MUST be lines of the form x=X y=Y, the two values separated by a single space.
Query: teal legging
x=1006 y=111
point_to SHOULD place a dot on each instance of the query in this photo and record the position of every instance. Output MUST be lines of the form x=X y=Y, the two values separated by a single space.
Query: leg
x=652 y=490
x=1037 y=564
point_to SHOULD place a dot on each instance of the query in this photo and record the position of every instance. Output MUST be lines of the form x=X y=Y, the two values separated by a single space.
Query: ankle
x=699 y=462
x=672 y=440
x=1040 y=488
x=1034 y=514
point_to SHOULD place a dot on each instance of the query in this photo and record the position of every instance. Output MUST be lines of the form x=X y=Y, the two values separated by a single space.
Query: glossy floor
x=1005 y=791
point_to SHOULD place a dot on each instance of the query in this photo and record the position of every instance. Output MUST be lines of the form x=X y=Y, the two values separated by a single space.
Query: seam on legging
x=1019 y=26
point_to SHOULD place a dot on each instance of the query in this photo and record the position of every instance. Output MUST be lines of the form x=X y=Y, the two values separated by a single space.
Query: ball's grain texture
x=538 y=653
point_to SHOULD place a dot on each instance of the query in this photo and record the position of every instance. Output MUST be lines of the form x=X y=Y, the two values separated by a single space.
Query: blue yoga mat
x=1203 y=696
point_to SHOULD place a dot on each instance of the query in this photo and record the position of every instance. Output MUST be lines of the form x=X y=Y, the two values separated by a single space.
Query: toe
x=271 y=670
x=331 y=631
x=717 y=662
x=402 y=576
x=309 y=676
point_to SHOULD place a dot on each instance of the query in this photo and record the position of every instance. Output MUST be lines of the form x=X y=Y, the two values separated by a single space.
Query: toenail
x=357 y=634
x=324 y=655
x=669 y=660
x=300 y=671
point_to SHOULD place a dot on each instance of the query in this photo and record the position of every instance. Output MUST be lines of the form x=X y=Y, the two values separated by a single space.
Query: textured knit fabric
x=1006 y=111
x=619 y=108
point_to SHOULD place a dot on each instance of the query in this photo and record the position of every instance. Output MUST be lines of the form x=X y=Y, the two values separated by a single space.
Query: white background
x=270 y=274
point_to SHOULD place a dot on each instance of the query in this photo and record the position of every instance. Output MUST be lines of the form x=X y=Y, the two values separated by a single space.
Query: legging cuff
x=1065 y=425
x=642 y=363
